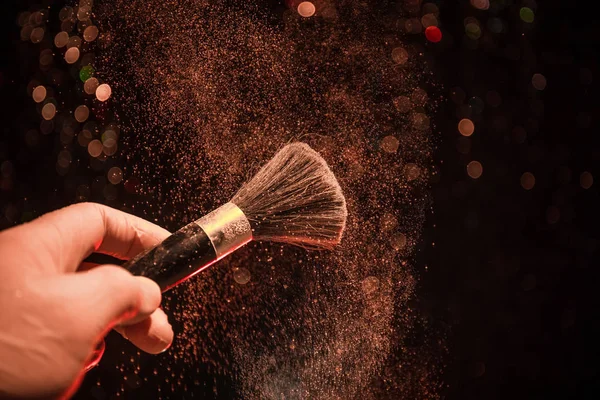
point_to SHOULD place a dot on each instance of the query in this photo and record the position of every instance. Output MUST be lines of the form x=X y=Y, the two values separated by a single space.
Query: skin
x=54 y=310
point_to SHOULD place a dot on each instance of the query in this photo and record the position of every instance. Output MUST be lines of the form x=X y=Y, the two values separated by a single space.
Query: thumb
x=109 y=295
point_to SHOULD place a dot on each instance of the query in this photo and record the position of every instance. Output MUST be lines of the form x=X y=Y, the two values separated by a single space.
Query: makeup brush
x=293 y=199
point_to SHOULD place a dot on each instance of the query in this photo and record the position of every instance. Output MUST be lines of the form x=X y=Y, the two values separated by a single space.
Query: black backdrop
x=510 y=272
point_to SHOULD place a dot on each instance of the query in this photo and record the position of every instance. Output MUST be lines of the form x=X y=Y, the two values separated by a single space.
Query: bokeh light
x=23 y=18
x=428 y=20
x=472 y=30
x=433 y=34
x=431 y=8
x=115 y=175
x=64 y=158
x=46 y=59
x=65 y=13
x=420 y=121
x=481 y=4
x=241 y=275
x=388 y=222
x=95 y=148
x=402 y=104
x=74 y=41
x=39 y=94
x=398 y=241
x=103 y=92
x=48 y=111
x=37 y=34
x=72 y=55
x=26 y=32
x=413 y=26
x=82 y=113
x=399 y=55
x=527 y=181
x=526 y=14
x=466 y=127
x=91 y=85
x=84 y=138
x=474 y=169
x=110 y=146
x=90 y=33
x=412 y=171
x=390 y=144
x=84 y=13
x=538 y=81
x=46 y=127
x=86 y=73
x=586 y=180
x=67 y=25
x=306 y=9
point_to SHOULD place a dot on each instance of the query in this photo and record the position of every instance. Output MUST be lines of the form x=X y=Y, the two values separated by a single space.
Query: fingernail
x=168 y=346
x=166 y=340
x=121 y=329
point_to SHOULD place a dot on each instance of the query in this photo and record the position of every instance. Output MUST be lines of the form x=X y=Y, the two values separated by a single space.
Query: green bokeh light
x=527 y=14
x=86 y=73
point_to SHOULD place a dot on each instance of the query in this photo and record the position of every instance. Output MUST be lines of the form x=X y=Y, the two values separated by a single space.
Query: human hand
x=54 y=310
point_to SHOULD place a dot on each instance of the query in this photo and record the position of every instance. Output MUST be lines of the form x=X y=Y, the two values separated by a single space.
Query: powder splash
x=206 y=92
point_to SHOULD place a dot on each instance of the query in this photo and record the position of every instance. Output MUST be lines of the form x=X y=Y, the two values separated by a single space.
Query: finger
x=153 y=335
x=85 y=266
x=73 y=233
x=109 y=295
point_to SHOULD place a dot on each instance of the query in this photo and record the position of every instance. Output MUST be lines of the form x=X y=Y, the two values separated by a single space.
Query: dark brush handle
x=177 y=258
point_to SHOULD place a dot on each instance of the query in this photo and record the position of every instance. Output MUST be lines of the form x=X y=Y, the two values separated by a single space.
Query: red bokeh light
x=433 y=34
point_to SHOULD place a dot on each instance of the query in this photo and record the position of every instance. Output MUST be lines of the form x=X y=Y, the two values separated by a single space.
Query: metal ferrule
x=227 y=228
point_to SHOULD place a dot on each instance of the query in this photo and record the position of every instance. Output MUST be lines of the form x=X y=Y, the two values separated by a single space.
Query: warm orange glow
x=412 y=171
x=48 y=111
x=390 y=144
x=90 y=34
x=115 y=175
x=95 y=148
x=466 y=127
x=37 y=35
x=103 y=92
x=72 y=55
x=91 y=85
x=399 y=55
x=82 y=113
x=398 y=241
x=402 y=104
x=306 y=9
x=39 y=94
x=474 y=169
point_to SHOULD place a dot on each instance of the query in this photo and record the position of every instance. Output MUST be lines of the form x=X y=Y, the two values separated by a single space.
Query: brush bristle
x=295 y=199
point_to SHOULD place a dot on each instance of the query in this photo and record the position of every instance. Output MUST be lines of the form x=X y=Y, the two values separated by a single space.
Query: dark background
x=510 y=273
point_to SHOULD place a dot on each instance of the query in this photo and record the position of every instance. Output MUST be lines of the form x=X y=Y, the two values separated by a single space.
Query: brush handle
x=180 y=256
